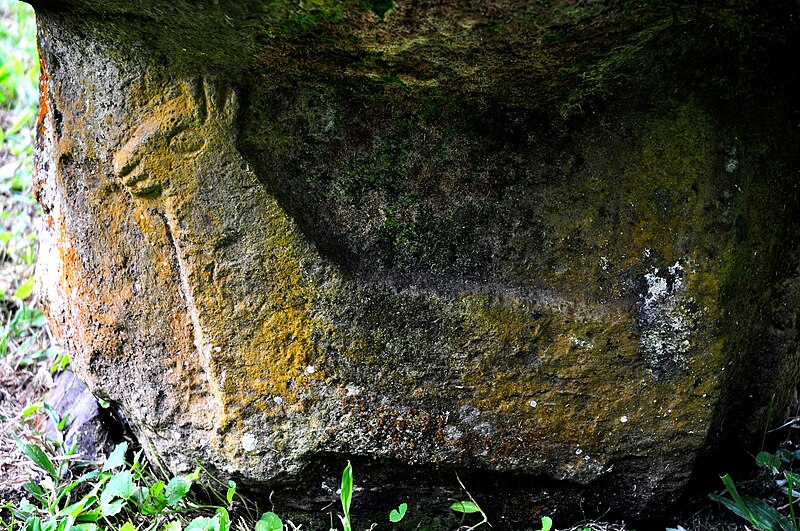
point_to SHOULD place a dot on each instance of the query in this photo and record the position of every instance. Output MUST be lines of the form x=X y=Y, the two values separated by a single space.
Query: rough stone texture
x=552 y=246
x=88 y=428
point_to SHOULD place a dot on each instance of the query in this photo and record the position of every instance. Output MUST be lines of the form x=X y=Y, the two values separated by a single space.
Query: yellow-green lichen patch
x=279 y=352
x=646 y=190
x=563 y=382
x=669 y=183
x=282 y=353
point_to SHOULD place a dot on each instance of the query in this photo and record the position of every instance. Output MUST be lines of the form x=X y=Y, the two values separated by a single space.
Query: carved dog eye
x=128 y=157
x=144 y=185
x=187 y=142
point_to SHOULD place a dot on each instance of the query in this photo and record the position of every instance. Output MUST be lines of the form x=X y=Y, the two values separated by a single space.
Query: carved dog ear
x=221 y=103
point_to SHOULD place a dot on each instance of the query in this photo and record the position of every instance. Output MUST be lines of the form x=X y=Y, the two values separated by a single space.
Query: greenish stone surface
x=552 y=247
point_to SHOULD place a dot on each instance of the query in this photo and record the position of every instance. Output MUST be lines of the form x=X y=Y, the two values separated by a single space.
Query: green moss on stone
x=379 y=7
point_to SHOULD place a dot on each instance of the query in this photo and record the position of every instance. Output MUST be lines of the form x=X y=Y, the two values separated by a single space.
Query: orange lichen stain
x=44 y=99
x=96 y=331
x=44 y=109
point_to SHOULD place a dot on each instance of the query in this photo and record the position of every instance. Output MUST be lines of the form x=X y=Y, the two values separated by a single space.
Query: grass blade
x=347 y=495
x=37 y=455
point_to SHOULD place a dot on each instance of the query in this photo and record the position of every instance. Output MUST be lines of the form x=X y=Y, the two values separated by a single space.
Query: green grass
x=122 y=495
x=19 y=68
x=771 y=509
x=22 y=332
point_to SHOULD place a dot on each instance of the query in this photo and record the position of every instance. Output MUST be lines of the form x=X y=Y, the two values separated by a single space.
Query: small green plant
x=269 y=522
x=761 y=514
x=117 y=496
x=397 y=514
x=756 y=511
x=469 y=507
x=112 y=496
x=547 y=524
x=347 y=496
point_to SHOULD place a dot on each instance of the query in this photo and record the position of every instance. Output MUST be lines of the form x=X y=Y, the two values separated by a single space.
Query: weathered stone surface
x=85 y=428
x=554 y=244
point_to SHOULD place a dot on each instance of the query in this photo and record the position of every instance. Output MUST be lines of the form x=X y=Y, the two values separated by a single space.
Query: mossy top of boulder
x=521 y=53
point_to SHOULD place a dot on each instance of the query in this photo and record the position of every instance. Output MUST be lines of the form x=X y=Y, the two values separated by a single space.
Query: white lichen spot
x=469 y=414
x=656 y=289
x=310 y=369
x=484 y=429
x=452 y=433
x=249 y=442
x=278 y=400
x=583 y=343
x=666 y=319
x=660 y=287
x=731 y=163
x=623 y=419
